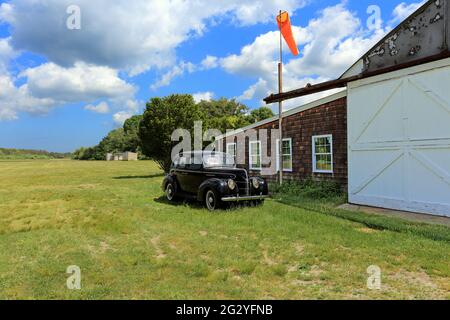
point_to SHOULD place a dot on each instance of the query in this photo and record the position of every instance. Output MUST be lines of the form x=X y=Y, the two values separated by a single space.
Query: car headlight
x=255 y=183
x=231 y=184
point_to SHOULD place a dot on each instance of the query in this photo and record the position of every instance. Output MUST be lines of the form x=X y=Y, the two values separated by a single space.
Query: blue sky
x=62 y=88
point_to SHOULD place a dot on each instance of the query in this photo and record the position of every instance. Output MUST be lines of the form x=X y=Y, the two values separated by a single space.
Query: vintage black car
x=212 y=178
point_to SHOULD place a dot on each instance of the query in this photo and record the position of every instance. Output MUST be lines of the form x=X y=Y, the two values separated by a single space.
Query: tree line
x=14 y=154
x=118 y=140
x=149 y=134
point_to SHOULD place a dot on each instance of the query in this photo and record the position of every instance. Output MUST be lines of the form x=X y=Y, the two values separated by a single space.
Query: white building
x=122 y=156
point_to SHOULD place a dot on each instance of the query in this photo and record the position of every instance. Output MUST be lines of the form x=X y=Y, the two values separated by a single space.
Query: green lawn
x=110 y=220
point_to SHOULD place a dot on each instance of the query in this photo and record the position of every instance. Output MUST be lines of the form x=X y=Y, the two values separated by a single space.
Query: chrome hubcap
x=210 y=200
x=169 y=192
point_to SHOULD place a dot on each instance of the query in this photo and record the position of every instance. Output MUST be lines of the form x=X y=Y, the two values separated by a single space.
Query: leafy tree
x=118 y=140
x=131 y=125
x=161 y=117
x=131 y=131
x=76 y=155
x=115 y=141
x=224 y=114
x=260 y=114
x=84 y=154
x=11 y=154
x=150 y=134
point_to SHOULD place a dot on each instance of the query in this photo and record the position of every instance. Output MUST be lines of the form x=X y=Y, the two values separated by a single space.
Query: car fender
x=169 y=178
x=220 y=185
x=264 y=185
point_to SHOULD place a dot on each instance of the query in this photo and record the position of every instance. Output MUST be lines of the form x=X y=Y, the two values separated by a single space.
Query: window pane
x=231 y=149
x=255 y=155
x=287 y=147
x=255 y=162
x=286 y=155
x=316 y=144
x=287 y=163
x=323 y=145
x=323 y=149
x=255 y=148
x=323 y=162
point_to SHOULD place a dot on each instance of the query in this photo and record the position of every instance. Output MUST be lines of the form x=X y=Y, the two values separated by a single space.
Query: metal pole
x=280 y=106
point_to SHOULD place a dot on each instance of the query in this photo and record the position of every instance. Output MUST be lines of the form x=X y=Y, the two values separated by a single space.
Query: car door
x=196 y=175
x=181 y=172
x=190 y=174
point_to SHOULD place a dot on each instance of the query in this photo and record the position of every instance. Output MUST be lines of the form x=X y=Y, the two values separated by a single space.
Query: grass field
x=110 y=220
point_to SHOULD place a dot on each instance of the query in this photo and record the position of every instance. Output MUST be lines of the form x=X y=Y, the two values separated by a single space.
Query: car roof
x=201 y=152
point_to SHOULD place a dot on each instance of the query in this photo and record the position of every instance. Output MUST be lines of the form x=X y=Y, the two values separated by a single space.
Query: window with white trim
x=286 y=155
x=323 y=154
x=231 y=150
x=255 y=155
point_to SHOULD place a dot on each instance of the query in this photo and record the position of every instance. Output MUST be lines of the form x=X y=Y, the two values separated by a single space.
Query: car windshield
x=214 y=160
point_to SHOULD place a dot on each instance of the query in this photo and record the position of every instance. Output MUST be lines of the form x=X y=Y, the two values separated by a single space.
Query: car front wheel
x=212 y=200
x=170 y=191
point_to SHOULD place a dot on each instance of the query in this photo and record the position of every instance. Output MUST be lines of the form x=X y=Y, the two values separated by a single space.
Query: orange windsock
x=284 y=23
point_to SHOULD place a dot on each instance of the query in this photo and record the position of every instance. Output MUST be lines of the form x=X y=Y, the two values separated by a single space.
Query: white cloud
x=254 y=59
x=203 y=96
x=6 y=53
x=182 y=68
x=102 y=107
x=403 y=10
x=18 y=99
x=50 y=85
x=132 y=105
x=131 y=108
x=210 y=62
x=121 y=117
x=259 y=89
x=6 y=15
x=122 y=34
x=81 y=82
x=329 y=44
x=83 y=65
x=176 y=71
x=7 y=114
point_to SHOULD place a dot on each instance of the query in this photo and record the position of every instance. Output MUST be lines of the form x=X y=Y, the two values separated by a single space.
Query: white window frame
x=250 y=155
x=234 y=147
x=315 y=170
x=278 y=155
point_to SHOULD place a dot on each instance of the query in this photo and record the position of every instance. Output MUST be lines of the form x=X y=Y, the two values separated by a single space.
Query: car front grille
x=244 y=188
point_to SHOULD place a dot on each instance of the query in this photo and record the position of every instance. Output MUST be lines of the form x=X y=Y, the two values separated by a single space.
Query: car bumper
x=245 y=198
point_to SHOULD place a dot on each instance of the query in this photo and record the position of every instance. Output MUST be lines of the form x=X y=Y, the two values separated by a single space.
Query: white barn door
x=399 y=141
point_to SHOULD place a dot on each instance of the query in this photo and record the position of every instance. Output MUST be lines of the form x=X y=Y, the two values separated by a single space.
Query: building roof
x=288 y=113
x=401 y=48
